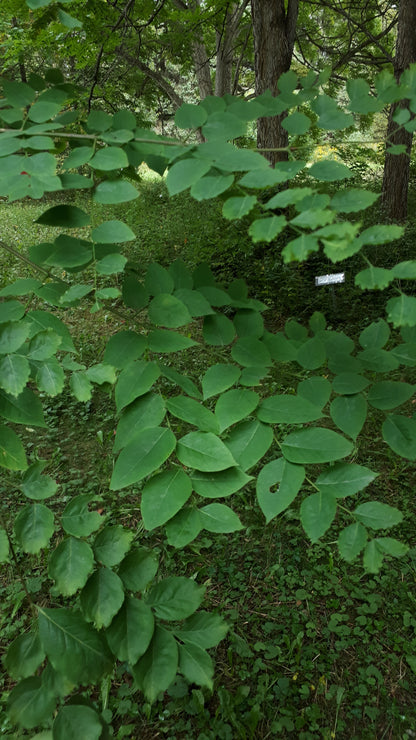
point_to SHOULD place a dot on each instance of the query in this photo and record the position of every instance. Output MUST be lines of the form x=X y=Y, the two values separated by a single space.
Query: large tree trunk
x=397 y=166
x=274 y=29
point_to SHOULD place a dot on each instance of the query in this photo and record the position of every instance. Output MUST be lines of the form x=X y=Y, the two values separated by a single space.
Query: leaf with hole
x=290 y=477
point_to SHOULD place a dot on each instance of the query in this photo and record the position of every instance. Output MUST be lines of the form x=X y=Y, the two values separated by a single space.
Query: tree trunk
x=397 y=166
x=202 y=69
x=274 y=29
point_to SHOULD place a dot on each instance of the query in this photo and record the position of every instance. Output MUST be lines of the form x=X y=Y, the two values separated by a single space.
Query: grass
x=316 y=648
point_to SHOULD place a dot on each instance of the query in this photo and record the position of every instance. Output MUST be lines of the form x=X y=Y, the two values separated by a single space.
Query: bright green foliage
x=210 y=437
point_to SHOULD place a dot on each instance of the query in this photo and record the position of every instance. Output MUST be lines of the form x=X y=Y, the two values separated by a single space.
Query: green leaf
x=18 y=94
x=77 y=520
x=42 y=320
x=11 y=311
x=33 y=527
x=37 y=486
x=349 y=414
x=203 y=629
x=25 y=409
x=219 y=518
x=30 y=704
x=79 y=156
x=24 y=655
x=19 y=287
x=299 y=249
x=70 y=22
x=261 y=178
x=101 y=373
x=250 y=352
x=193 y=412
x=266 y=229
x=361 y=99
x=115 y=191
x=280 y=348
x=330 y=170
x=167 y=310
x=223 y=125
x=317 y=512
x=163 y=496
x=345 y=479
x=400 y=434
x=102 y=597
x=12 y=454
x=248 y=442
x=50 y=377
x=249 y=323
x=109 y=158
x=348 y=384
x=176 y=597
x=380 y=234
x=290 y=477
x=378 y=360
x=156 y=670
x=374 y=278
x=351 y=541
x=14 y=374
x=138 y=568
x=142 y=456
x=204 y=451
x=211 y=186
x=68 y=217
x=389 y=393
x=375 y=336
x=317 y=390
x=219 y=378
x=131 y=630
x=376 y=515
x=163 y=340
x=353 y=200
x=112 y=544
x=44 y=345
x=80 y=386
x=218 y=330
x=237 y=207
x=135 y=380
x=315 y=445
x=123 y=348
x=110 y=265
x=219 y=484
x=373 y=557
x=76 y=720
x=402 y=311
x=147 y=411
x=403 y=270
x=158 y=279
x=190 y=116
x=234 y=406
x=296 y=123
x=184 y=527
x=112 y=232
x=196 y=665
x=74 y=649
x=285 y=409
x=185 y=173
x=392 y=547
x=311 y=354
x=70 y=565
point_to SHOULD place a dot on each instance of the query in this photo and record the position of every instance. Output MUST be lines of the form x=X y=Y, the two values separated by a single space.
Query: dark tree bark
x=274 y=30
x=397 y=166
